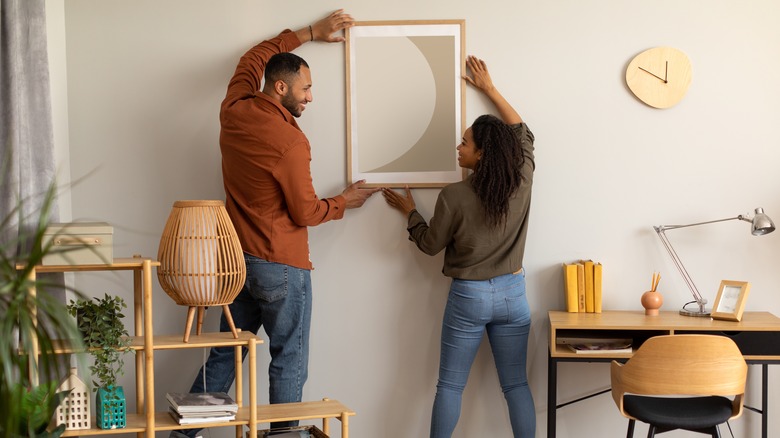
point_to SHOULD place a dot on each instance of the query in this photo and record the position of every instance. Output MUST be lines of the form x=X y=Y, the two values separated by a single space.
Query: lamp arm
x=674 y=227
x=660 y=230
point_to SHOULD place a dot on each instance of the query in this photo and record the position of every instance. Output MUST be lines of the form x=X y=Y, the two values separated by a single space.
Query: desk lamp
x=761 y=224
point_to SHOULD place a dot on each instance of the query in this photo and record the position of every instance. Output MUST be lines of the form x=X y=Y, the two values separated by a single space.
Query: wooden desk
x=757 y=336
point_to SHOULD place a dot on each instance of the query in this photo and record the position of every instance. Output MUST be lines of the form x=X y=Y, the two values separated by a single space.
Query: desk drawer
x=750 y=343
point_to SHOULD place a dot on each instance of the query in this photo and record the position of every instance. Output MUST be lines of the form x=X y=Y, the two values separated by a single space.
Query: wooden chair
x=681 y=382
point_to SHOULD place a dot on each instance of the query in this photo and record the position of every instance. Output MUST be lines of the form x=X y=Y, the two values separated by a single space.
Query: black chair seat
x=664 y=412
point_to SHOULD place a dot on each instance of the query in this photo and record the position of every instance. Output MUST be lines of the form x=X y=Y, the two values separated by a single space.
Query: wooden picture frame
x=405 y=102
x=730 y=302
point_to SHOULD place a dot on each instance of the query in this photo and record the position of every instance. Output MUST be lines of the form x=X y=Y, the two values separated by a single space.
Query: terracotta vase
x=652 y=301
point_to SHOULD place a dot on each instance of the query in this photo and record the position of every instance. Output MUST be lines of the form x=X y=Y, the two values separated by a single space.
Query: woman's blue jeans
x=278 y=298
x=499 y=307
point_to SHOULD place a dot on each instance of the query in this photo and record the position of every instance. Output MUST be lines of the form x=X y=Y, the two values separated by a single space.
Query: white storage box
x=79 y=243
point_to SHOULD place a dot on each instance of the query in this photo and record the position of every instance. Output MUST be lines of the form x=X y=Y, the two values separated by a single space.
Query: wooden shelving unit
x=146 y=420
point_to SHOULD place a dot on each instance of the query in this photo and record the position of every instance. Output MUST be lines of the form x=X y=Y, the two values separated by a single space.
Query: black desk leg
x=552 y=394
x=764 y=399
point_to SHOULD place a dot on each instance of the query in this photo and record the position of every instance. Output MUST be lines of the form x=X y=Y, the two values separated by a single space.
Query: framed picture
x=730 y=301
x=405 y=102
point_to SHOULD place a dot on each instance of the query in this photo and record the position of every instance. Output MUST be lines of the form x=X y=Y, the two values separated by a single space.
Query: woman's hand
x=404 y=204
x=480 y=78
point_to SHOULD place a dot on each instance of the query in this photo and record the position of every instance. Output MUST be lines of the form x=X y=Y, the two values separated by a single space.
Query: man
x=271 y=201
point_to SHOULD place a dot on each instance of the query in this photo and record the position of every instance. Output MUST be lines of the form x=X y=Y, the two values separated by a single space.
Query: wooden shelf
x=146 y=343
x=204 y=340
x=137 y=423
x=164 y=421
x=174 y=342
x=134 y=423
x=315 y=410
x=119 y=264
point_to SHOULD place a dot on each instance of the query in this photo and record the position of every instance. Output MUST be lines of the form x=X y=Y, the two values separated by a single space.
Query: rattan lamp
x=201 y=262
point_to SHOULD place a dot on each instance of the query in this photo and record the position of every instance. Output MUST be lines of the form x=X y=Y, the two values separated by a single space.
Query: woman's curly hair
x=497 y=173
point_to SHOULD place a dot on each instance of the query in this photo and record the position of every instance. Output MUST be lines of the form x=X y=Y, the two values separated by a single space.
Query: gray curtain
x=26 y=138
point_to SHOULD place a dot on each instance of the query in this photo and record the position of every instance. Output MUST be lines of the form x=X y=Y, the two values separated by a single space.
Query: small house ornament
x=111 y=408
x=73 y=411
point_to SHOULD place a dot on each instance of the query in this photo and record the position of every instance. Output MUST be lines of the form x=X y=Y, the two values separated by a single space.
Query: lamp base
x=201 y=313
x=688 y=312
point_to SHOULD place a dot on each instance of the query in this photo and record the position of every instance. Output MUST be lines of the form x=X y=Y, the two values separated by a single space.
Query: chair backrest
x=695 y=365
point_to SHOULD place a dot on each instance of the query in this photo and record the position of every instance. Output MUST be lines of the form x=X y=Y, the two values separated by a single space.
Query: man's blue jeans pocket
x=267 y=281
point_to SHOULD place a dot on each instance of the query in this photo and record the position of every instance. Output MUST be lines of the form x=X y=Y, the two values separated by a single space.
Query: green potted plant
x=31 y=319
x=100 y=322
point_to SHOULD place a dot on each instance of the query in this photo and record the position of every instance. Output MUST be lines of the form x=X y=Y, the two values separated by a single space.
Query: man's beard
x=291 y=105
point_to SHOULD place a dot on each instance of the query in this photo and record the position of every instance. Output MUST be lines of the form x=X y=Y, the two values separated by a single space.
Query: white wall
x=55 y=32
x=144 y=83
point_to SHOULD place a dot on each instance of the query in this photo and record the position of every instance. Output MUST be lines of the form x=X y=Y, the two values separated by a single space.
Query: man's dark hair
x=283 y=66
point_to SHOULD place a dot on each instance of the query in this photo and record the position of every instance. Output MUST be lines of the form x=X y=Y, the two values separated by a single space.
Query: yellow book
x=597 y=272
x=580 y=287
x=570 y=287
x=589 y=306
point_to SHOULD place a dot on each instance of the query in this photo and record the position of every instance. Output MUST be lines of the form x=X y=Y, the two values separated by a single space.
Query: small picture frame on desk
x=730 y=302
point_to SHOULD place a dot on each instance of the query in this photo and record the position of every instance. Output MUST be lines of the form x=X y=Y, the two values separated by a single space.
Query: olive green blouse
x=474 y=251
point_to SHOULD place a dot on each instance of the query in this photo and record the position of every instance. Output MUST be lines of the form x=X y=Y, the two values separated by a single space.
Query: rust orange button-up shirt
x=266 y=166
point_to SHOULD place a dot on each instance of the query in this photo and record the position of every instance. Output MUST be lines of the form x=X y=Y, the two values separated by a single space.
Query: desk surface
x=615 y=321
x=636 y=319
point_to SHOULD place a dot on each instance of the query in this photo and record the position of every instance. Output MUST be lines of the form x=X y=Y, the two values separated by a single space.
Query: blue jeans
x=498 y=306
x=278 y=298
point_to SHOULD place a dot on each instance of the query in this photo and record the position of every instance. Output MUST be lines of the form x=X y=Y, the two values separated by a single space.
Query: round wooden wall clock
x=659 y=76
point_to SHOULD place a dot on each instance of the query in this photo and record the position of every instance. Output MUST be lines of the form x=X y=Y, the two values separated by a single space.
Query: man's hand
x=324 y=29
x=355 y=196
x=404 y=204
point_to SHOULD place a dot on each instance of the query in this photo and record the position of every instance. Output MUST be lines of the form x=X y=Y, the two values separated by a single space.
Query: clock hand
x=666 y=73
x=660 y=78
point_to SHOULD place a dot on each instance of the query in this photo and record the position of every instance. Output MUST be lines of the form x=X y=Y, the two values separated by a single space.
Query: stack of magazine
x=597 y=345
x=204 y=407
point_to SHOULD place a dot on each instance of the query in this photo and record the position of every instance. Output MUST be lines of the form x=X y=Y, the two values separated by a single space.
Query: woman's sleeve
x=434 y=237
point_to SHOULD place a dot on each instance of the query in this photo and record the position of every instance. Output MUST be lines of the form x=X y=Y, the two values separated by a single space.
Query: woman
x=482 y=222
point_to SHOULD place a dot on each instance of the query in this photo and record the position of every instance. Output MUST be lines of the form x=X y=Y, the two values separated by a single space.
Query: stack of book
x=204 y=407
x=582 y=286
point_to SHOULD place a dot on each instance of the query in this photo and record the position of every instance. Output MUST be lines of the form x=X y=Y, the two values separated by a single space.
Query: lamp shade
x=761 y=223
x=201 y=262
